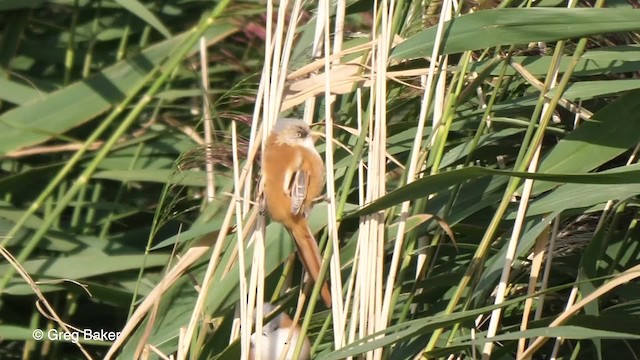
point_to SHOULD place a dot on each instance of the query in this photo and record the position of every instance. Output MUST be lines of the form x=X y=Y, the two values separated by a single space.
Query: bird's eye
x=299 y=134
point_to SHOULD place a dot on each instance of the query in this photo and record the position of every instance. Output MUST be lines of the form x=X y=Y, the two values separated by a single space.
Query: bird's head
x=272 y=325
x=293 y=132
x=280 y=321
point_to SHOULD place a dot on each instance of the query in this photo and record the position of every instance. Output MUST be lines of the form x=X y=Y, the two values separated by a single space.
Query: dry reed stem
x=338 y=309
x=414 y=172
x=622 y=278
x=520 y=216
x=190 y=257
x=510 y=255
x=536 y=265
x=601 y=222
x=52 y=314
x=568 y=105
x=547 y=267
x=208 y=120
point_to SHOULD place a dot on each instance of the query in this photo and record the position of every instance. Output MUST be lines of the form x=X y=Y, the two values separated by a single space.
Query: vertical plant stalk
x=154 y=226
x=244 y=341
x=257 y=137
x=124 y=40
x=547 y=267
x=368 y=296
x=157 y=77
x=536 y=264
x=276 y=61
x=331 y=258
x=15 y=264
x=70 y=52
x=378 y=175
x=412 y=171
x=51 y=218
x=333 y=245
x=90 y=217
x=599 y=227
x=181 y=266
x=522 y=210
x=484 y=122
x=172 y=62
x=271 y=91
x=522 y=162
x=321 y=47
x=208 y=120
x=510 y=255
x=353 y=294
x=622 y=278
x=108 y=220
x=88 y=59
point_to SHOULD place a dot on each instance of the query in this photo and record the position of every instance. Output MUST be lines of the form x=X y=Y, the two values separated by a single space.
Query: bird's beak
x=315 y=135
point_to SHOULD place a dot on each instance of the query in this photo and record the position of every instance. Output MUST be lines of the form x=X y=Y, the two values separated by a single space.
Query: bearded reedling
x=275 y=336
x=293 y=176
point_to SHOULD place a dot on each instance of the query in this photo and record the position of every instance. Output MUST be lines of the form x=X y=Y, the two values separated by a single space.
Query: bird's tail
x=309 y=255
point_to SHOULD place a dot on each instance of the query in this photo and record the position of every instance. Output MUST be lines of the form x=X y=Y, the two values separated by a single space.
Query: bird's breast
x=279 y=163
x=278 y=158
x=273 y=345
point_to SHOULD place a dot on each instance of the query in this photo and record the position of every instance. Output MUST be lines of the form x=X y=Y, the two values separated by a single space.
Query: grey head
x=272 y=325
x=291 y=130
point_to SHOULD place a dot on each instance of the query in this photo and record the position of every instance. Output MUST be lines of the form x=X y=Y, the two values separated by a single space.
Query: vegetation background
x=482 y=180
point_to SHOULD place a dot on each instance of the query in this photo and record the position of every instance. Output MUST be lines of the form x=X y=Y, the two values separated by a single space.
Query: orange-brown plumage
x=293 y=175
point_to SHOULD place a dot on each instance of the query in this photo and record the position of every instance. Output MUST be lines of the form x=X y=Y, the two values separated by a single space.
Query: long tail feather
x=309 y=255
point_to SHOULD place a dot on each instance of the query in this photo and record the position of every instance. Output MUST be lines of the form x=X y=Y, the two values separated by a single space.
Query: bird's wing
x=298 y=191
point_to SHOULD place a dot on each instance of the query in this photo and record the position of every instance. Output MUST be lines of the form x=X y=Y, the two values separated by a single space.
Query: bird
x=275 y=335
x=293 y=176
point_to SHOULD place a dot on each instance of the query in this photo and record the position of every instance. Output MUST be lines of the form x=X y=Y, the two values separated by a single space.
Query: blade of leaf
x=432 y=184
x=41 y=120
x=139 y=10
x=489 y=28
